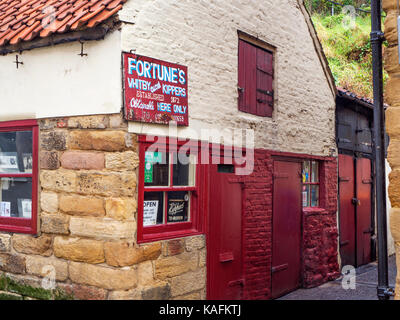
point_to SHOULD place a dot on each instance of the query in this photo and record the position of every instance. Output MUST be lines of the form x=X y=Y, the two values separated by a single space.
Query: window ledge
x=168 y=235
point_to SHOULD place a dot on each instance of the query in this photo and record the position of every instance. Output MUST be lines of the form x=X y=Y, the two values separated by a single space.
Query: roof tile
x=25 y=20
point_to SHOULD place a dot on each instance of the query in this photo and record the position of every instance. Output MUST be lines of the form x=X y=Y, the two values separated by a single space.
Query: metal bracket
x=82 y=53
x=384 y=293
x=17 y=62
x=377 y=36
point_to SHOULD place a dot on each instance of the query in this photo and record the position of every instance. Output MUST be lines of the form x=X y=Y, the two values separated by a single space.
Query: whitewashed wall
x=56 y=81
x=202 y=35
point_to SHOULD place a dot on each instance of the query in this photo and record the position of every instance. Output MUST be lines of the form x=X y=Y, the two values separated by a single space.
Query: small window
x=310 y=176
x=170 y=194
x=18 y=176
x=256 y=76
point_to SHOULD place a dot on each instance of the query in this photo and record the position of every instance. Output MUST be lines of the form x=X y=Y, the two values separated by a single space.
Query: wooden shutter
x=255 y=83
x=265 y=76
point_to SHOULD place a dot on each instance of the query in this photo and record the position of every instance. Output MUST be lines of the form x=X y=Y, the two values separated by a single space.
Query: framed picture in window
x=25 y=208
x=27 y=161
x=19 y=175
x=8 y=161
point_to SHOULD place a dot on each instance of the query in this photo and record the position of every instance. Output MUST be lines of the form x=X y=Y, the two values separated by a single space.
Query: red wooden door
x=286 y=234
x=364 y=211
x=355 y=215
x=224 y=272
x=346 y=210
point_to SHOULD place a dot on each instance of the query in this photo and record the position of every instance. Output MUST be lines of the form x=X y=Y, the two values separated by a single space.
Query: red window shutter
x=247 y=77
x=255 y=83
x=265 y=76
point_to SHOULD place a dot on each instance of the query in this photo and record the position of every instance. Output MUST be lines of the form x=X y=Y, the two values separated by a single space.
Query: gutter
x=384 y=292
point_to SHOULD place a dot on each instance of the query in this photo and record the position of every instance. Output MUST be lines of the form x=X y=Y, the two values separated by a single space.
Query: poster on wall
x=5 y=209
x=155 y=91
x=25 y=208
x=28 y=162
x=150 y=210
x=150 y=158
x=8 y=161
x=177 y=210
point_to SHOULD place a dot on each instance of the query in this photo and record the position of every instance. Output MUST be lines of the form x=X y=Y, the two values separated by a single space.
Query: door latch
x=356 y=202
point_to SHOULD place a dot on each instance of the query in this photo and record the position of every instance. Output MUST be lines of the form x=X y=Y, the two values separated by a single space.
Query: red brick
x=76 y=160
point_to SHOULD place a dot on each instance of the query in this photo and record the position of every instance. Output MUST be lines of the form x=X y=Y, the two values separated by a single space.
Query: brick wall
x=320 y=234
x=87 y=210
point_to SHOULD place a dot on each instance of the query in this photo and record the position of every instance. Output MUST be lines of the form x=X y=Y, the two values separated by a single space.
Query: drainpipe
x=377 y=36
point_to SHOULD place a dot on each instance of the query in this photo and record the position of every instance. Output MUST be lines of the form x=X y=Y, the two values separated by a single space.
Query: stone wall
x=87 y=229
x=392 y=96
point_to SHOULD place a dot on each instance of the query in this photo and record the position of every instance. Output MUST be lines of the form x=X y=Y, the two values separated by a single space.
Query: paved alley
x=366 y=282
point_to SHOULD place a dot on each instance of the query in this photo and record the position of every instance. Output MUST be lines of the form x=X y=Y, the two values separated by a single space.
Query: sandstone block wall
x=87 y=230
x=392 y=95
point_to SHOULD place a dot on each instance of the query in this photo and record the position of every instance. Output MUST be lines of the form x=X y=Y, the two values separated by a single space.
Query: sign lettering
x=155 y=91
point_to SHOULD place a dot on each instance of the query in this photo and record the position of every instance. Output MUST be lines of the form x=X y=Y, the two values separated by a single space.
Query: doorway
x=225 y=274
x=355 y=210
x=286 y=221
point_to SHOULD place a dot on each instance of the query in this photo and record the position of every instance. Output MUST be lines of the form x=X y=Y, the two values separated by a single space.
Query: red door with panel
x=286 y=234
x=346 y=210
x=364 y=211
x=224 y=236
x=355 y=215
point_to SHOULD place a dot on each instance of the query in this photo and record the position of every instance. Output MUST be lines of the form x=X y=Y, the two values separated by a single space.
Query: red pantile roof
x=25 y=20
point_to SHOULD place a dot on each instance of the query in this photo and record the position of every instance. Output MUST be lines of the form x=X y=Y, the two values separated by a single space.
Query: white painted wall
x=56 y=81
x=202 y=35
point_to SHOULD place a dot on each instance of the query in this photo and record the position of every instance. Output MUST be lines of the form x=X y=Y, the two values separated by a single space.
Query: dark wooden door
x=286 y=233
x=355 y=215
x=346 y=210
x=364 y=211
x=224 y=271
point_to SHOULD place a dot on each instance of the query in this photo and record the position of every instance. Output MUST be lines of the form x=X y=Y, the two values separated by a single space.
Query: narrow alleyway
x=366 y=282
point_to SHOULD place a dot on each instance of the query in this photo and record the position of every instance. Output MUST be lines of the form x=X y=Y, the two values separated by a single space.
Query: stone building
x=392 y=97
x=85 y=201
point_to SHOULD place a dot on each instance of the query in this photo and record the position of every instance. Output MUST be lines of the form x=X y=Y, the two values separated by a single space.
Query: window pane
x=156 y=169
x=306 y=196
x=153 y=208
x=178 y=206
x=306 y=171
x=314 y=196
x=16 y=152
x=16 y=197
x=315 y=172
x=184 y=170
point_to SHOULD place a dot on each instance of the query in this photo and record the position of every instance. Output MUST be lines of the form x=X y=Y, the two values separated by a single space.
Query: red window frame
x=310 y=183
x=170 y=230
x=255 y=79
x=23 y=225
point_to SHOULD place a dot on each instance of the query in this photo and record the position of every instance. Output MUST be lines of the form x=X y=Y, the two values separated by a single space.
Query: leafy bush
x=325 y=7
x=348 y=50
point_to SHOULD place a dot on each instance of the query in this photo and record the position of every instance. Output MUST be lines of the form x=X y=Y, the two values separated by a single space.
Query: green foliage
x=325 y=7
x=347 y=47
x=26 y=291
